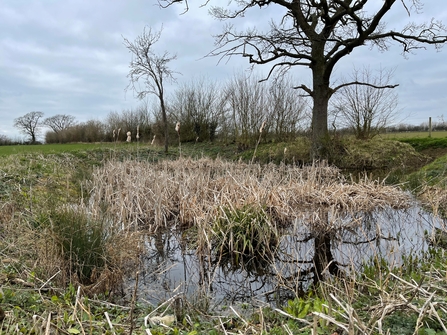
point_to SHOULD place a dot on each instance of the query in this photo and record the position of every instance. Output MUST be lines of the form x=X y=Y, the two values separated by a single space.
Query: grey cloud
x=68 y=56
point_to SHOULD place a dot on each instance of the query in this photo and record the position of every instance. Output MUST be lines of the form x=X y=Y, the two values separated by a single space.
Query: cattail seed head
x=153 y=141
x=177 y=127
x=129 y=136
x=262 y=127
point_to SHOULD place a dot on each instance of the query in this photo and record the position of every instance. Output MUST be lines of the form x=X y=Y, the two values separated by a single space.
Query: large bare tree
x=317 y=34
x=151 y=70
x=59 y=122
x=29 y=124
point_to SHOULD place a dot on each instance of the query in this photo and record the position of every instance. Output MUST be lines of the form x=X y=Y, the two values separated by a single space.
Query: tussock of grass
x=246 y=238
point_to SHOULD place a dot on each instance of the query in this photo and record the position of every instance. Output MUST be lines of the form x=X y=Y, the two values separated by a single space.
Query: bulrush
x=153 y=141
x=177 y=129
x=259 y=140
x=129 y=137
x=262 y=127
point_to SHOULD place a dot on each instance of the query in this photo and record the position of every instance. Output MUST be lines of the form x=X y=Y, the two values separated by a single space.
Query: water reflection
x=319 y=244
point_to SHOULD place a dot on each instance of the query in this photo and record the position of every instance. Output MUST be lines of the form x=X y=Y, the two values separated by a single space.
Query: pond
x=305 y=253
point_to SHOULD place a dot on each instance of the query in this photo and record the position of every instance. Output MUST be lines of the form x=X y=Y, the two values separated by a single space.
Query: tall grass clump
x=245 y=237
x=83 y=242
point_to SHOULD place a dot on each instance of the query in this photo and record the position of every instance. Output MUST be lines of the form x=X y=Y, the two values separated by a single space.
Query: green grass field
x=415 y=134
x=54 y=148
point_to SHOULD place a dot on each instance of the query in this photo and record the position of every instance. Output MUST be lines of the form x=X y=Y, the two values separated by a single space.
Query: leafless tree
x=367 y=109
x=29 y=124
x=4 y=140
x=197 y=105
x=59 y=122
x=317 y=35
x=286 y=109
x=151 y=70
x=248 y=104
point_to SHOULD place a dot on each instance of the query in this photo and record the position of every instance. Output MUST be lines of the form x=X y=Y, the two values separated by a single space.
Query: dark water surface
x=172 y=266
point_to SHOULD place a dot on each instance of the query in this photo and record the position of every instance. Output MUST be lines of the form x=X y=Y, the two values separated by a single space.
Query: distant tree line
x=230 y=112
x=206 y=111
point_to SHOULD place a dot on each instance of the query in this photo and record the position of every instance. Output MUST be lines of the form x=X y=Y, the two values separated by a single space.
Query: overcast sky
x=68 y=57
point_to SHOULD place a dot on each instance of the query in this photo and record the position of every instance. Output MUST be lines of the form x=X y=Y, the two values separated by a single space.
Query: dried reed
x=193 y=191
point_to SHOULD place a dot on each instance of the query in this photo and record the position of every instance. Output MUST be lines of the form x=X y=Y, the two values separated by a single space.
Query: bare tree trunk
x=165 y=122
x=320 y=95
x=323 y=257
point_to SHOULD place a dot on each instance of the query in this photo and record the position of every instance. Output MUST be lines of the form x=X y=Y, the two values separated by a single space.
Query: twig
x=292 y=317
x=78 y=294
x=49 y=280
x=169 y=301
x=134 y=298
x=109 y=322
x=420 y=289
x=237 y=314
x=287 y=329
x=37 y=318
x=437 y=317
x=332 y=320
x=223 y=327
x=421 y=313
x=48 y=326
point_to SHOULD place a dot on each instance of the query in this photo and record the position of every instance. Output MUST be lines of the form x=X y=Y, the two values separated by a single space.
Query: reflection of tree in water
x=322 y=243
x=162 y=254
x=329 y=243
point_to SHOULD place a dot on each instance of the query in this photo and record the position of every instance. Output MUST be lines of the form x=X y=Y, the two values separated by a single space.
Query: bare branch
x=364 y=84
x=305 y=89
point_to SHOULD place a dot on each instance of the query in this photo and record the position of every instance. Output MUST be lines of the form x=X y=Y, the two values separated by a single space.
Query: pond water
x=171 y=264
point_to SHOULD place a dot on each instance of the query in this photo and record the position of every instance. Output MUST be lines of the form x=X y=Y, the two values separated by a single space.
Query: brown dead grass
x=192 y=191
x=435 y=199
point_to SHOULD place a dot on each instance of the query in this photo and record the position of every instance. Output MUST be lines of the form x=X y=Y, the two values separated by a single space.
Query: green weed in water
x=245 y=237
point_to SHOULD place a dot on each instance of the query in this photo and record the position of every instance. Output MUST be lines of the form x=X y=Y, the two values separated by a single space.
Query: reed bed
x=191 y=192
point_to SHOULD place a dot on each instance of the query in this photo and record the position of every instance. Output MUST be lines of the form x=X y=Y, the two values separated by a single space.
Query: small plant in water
x=245 y=237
